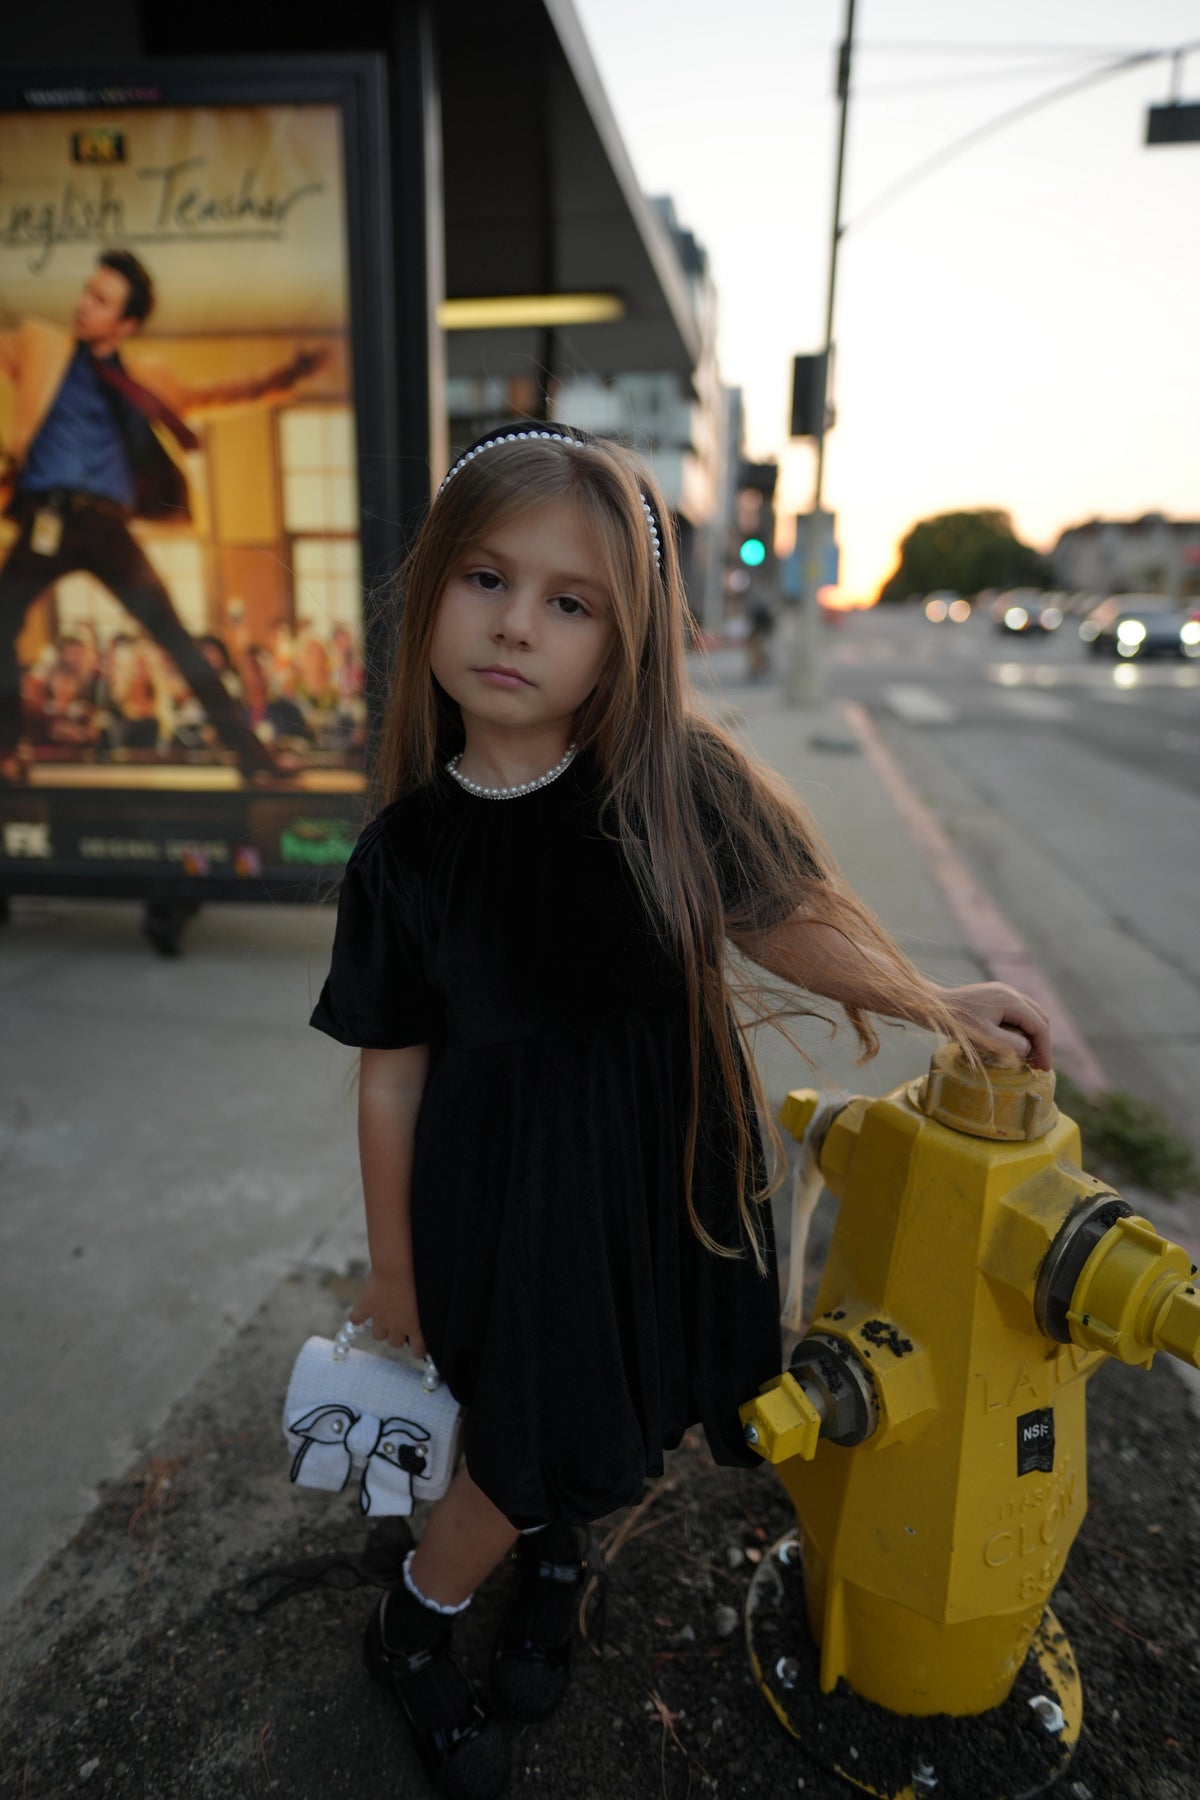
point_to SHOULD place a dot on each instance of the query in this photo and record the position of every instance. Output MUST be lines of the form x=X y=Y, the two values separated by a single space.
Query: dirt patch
x=129 y=1673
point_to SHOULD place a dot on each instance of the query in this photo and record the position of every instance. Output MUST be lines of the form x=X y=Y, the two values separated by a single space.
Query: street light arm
x=1003 y=120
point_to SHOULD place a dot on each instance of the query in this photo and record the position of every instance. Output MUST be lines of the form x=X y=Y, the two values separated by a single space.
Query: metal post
x=801 y=676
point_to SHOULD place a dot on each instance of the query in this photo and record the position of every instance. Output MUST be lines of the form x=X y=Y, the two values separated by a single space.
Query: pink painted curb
x=1003 y=952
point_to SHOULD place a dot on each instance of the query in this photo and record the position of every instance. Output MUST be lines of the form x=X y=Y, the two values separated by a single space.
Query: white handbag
x=353 y=1412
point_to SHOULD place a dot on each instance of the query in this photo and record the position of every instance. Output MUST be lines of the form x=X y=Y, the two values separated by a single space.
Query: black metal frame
x=387 y=226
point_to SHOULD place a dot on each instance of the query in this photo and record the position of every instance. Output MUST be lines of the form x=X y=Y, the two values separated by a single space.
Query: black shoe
x=464 y=1749
x=531 y=1661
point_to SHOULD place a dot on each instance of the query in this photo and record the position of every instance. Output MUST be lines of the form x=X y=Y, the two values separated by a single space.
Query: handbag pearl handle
x=430 y=1379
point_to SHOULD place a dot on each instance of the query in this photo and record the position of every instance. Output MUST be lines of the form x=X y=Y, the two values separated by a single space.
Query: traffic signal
x=808 y=396
x=754 y=522
x=1178 y=123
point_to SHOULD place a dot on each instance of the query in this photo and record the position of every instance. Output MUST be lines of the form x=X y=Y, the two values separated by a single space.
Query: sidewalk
x=206 y=1167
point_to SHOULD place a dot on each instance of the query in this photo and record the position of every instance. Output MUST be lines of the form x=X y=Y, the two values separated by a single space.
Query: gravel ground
x=130 y=1672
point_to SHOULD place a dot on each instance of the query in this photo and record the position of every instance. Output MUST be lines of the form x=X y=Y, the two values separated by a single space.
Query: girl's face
x=524 y=625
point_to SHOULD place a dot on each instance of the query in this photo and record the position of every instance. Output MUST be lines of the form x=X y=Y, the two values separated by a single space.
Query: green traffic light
x=753 y=553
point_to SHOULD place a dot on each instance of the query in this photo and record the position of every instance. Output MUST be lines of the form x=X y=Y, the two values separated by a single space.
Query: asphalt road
x=1142 y=715
x=1071 y=786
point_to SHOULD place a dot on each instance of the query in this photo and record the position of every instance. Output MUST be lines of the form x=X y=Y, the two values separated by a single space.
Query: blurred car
x=1027 y=611
x=1133 y=625
x=946 y=604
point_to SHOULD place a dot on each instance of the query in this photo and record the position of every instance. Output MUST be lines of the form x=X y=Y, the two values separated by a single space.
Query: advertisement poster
x=181 y=596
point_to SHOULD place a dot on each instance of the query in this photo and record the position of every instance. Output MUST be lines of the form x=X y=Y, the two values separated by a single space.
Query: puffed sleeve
x=376 y=996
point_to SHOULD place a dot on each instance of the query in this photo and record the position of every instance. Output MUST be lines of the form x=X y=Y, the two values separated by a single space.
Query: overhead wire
x=967 y=78
x=991 y=126
x=967 y=47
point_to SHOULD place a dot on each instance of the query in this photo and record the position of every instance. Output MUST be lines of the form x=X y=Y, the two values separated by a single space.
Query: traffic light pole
x=801 y=677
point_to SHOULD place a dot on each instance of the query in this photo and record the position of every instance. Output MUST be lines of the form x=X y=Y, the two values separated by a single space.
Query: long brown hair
x=717 y=845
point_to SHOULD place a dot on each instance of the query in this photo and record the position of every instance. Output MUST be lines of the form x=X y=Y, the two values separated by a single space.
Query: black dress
x=562 y=1290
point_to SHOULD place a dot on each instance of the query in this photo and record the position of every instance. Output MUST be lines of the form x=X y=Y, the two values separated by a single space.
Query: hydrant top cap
x=1011 y=1105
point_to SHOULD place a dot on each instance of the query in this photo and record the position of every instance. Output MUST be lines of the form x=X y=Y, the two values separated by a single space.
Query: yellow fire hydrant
x=931 y=1428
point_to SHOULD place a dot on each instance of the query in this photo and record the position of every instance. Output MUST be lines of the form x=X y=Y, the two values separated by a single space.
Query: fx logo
x=26 y=838
x=98 y=144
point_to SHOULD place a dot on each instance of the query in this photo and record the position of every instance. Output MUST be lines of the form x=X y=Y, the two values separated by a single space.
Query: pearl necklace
x=510 y=793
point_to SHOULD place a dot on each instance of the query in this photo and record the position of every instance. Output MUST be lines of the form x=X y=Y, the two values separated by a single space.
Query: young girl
x=560 y=1157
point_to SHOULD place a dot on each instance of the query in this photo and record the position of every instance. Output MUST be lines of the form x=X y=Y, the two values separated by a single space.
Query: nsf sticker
x=1035 y=1442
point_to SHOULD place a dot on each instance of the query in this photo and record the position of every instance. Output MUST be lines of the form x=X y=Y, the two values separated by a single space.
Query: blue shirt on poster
x=79 y=446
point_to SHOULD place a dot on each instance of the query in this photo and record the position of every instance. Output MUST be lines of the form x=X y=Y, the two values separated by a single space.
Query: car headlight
x=1089 y=631
x=1051 y=619
x=1131 y=632
x=1016 y=618
x=1190 y=632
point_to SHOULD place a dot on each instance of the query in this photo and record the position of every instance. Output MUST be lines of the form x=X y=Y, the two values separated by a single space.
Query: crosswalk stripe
x=1045 y=708
x=1096 y=677
x=917 y=706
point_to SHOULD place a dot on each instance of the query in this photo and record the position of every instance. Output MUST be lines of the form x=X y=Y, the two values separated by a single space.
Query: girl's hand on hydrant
x=390 y=1302
x=1004 y=1025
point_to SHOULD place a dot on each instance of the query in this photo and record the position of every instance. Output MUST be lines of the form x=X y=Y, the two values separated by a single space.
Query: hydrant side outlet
x=1135 y=1295
x=796 y=1113
x=782 y=1421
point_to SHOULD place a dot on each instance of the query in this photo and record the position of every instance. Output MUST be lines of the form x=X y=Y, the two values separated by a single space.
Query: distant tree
x=965 y=551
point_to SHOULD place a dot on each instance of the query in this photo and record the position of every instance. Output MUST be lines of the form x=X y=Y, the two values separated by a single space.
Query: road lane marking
x=1104 y=678
x=1045 y=708
x=917 y=706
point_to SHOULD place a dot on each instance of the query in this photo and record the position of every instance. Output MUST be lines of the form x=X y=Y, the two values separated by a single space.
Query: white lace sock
x=433 y=1605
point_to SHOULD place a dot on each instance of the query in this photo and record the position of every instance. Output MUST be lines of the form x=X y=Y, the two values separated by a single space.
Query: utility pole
x=801 y=683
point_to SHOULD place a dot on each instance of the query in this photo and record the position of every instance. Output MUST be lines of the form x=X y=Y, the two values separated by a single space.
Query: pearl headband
x=560 y=435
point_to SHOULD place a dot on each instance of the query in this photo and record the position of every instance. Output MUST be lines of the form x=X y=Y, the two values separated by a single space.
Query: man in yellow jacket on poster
x=84 y=458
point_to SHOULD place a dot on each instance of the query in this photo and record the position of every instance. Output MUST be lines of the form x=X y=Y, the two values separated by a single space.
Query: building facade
x=1150 y=555
x=676 y=419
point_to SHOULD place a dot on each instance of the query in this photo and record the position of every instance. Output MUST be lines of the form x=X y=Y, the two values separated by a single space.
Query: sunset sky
x=1019 y=330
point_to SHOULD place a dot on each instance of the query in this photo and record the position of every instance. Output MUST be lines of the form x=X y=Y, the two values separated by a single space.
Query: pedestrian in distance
x=561 y=1164
x=762 y=623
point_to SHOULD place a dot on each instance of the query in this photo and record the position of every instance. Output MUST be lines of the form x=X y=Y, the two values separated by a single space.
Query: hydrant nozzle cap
x=798 y=1111
x=1011 y=1105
